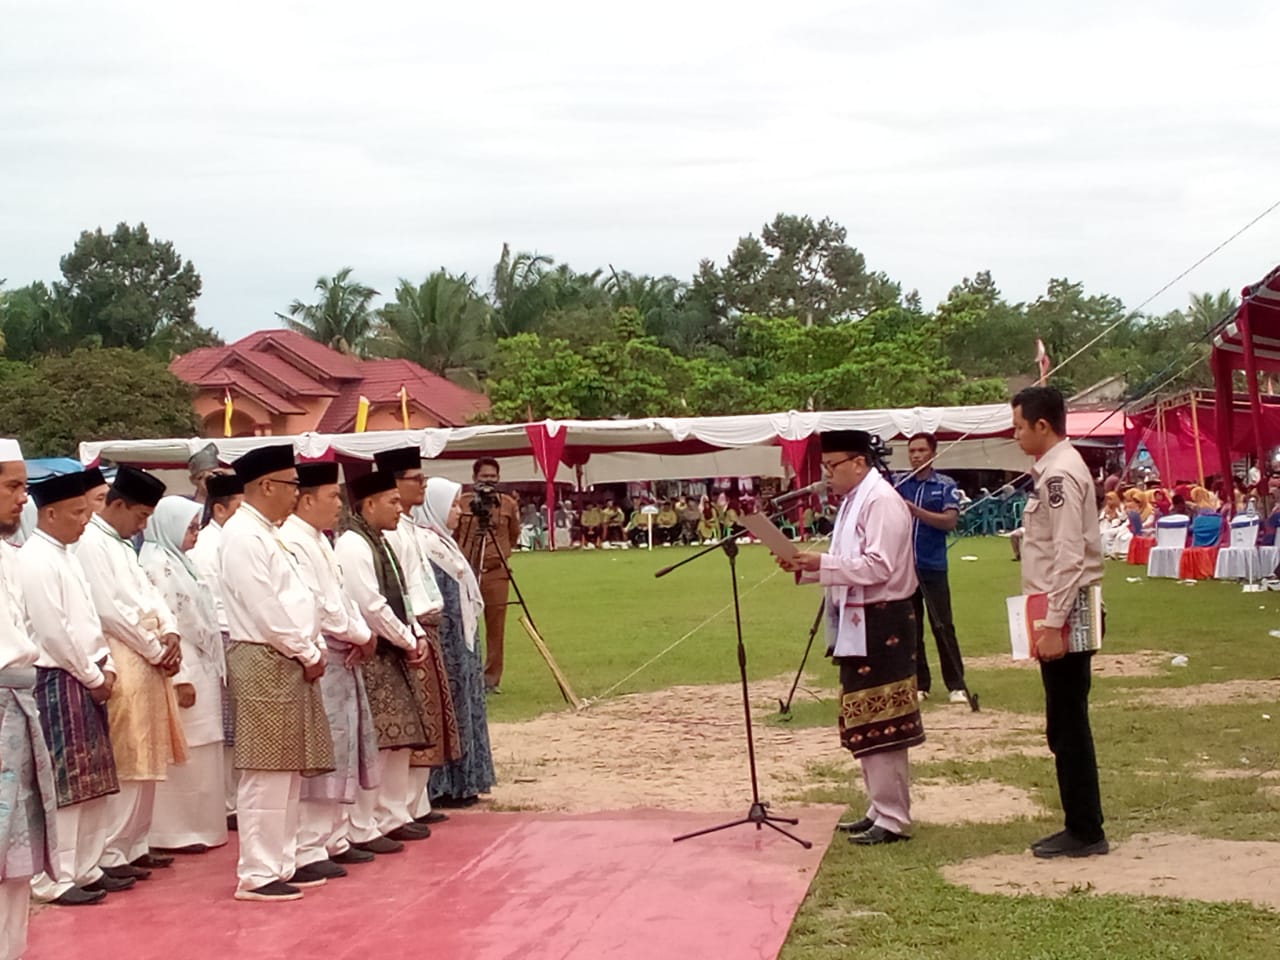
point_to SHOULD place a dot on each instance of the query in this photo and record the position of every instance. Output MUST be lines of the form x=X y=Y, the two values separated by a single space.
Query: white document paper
x=1019 y=631
x=762 y=528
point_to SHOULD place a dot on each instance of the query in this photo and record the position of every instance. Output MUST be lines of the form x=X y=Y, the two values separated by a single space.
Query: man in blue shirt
x=934 y=501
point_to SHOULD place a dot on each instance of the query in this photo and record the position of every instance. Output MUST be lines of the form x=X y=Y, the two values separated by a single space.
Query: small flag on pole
x=228 y=408
x=362 y=415
x=1042 y=360
x=404 y=406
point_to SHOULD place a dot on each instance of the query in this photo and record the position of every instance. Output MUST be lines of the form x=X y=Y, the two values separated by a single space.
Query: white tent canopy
x=975 y=437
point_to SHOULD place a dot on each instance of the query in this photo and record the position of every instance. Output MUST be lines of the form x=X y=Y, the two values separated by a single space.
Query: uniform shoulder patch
x=1057 y=495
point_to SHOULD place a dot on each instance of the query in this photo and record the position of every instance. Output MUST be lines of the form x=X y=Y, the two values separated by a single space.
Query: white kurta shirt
x=360 y=581
x=263 y=592
x=130 y=607
x=419 y=581
x=340 y=617
x=206 y=557
x=59 y=609
x=17 y=649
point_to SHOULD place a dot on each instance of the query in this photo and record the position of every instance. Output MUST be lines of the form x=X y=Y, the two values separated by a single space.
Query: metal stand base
x=759 y=815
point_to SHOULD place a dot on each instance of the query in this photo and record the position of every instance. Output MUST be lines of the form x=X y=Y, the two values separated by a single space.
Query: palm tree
x=341 y=318
x=519 y=292
x=1207 y=309
x=441 y=324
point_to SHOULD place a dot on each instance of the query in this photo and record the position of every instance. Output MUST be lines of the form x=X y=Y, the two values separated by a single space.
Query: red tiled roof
x=277 y=366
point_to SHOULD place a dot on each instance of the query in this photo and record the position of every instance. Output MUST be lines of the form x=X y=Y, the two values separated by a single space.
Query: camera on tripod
x=485 y=500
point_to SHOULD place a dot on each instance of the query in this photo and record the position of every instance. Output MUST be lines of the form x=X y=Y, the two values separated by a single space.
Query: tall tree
x=124 y=288
x=33 y=322
x=94 y=394
x=798 y=268
x=341 y=317
x=441 y=324
x=519 y=292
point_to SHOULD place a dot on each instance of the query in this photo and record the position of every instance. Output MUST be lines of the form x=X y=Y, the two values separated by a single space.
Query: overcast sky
x=272 y=142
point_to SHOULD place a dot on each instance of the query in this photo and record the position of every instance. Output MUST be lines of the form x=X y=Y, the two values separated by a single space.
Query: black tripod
x=759 y=810
x=784 y=707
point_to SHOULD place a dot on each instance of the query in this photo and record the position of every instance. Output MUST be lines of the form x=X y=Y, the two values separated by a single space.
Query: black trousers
x=1066 y=707
x=934 y=596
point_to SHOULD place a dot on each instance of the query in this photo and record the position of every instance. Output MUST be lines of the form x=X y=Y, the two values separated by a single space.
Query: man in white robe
x=74 y=679
x=323 y=841
x=27 y=845
x=146 y=732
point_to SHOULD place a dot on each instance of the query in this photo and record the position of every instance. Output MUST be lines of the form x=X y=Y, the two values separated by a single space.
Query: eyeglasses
x=414 y=477
x=831 y=467
x=292 y=483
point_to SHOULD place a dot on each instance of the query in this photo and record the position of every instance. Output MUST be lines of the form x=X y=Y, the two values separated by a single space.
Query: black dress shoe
x=379 y=845
x=80 y=897
x=275 y=890
x=876 y=836
x=233 y=824
x=353 y=855
x=1052 y=838
x=435 y=816
x=153 y=861
x=324 y=868
x=856 y=826
x=1066 y=845
x=126 y=872
x=108 y=884
x=189 y=849
x=409 y=833
x=307 y=876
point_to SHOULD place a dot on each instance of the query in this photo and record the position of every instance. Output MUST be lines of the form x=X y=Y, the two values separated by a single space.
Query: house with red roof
x=282 y=383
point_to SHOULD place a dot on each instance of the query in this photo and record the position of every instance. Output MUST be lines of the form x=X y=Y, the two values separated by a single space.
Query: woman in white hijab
x=459 y=782
x=190 y=814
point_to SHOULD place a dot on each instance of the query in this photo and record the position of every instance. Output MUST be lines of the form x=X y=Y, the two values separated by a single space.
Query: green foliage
x=92 y=394
x=342 y=316
x=441 y=324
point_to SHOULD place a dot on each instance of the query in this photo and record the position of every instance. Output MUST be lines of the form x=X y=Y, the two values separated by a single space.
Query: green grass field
x=604 y=615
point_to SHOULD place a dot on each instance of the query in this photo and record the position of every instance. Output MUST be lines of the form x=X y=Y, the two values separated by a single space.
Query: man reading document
x=870 y=577
x=1062 y=559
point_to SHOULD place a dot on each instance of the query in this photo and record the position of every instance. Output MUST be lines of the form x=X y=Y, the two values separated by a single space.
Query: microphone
x=818 y=488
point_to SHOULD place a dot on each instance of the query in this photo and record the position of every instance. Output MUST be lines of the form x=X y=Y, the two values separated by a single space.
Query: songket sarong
x=75 y=729
x=473 y=772
x=879 y=710
x=28 y=801
x=280 y=718
x=429 y=681
x=355 y=740
x=228 y=716
x=398 y=716
x=146 y=731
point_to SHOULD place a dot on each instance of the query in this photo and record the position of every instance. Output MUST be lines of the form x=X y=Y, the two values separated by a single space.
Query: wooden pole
x=1195 y=428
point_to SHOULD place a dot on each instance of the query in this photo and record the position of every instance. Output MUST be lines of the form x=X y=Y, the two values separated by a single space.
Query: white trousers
x=392 y=811
x=419 y=795
x=15 y=898
x=129 y=822
x=267 y=810
x=230 y=778
x=190 y=804
x=82 y=838
x=322 y=831
x=887 y=777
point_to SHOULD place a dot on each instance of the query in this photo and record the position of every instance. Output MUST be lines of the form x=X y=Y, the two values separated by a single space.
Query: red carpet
x=486 y=886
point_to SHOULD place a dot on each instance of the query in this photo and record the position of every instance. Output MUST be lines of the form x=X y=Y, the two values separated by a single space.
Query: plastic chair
x=1241 y=560
x=1171 y=540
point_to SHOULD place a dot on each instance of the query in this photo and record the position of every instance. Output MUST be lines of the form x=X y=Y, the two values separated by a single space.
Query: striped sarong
x=878 y=706
x=429 y=682
x=75 y=729
x=27 y=795
x=355 y=741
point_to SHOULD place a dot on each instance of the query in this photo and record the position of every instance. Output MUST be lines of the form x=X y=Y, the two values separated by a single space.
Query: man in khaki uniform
x=1062 y=558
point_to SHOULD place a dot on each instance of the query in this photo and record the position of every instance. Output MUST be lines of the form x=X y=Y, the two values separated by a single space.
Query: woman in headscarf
x=189 y=813
x=458 y=782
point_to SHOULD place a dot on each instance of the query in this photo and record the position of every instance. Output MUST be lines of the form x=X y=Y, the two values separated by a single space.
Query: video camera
x=485 y=499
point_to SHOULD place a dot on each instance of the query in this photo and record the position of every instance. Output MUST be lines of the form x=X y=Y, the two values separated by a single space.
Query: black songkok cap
x=316 y=474
x=398 y=460
x=369 y=484
x=138 y=486
x=847 y=441
x=260 y=461
x=220 y=485
x=66 y=486
x=93 y=478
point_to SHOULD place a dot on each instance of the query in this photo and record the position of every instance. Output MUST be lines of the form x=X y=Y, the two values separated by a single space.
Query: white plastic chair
x=1240 y=560
x=1171 y=540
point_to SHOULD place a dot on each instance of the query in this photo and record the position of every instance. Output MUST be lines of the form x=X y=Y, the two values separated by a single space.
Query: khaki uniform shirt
x=506 y=527
x=1062 y=549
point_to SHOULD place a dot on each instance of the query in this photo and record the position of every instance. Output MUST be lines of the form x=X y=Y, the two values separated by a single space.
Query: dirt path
x=683 y=749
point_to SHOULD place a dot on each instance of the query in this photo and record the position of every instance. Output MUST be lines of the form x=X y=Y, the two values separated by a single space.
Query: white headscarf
x=172 y=571
x=445 y=553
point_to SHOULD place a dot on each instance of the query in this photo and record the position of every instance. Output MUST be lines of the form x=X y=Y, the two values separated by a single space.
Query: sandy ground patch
x=683 y=749
x=1140 y=663
x=1207 y=694
x=1154 y=865
x=984 y=801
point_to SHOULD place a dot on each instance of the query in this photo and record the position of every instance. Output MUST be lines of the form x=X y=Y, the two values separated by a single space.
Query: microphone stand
x=758 y=813
x=784 y=707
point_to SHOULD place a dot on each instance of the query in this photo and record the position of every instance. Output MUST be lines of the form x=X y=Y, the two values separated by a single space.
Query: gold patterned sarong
x=430 y=683
x=280 y=719
x=142 y=715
